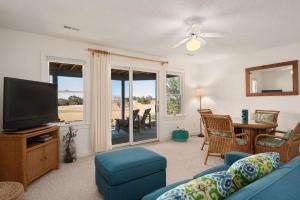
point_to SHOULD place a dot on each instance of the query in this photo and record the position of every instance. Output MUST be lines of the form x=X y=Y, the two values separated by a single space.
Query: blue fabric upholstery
x=233 y=156
x=131 y=190
x=157 y=193
x=218 y=168
x=229 y=159
x=123 y=165
x=129 y=174
x=282 y=184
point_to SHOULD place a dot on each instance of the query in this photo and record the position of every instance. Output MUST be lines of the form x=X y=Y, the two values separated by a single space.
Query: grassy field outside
x=75 y=112
x=70 y=112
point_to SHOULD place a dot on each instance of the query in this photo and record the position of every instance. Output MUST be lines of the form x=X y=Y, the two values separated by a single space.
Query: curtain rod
x=126 y=56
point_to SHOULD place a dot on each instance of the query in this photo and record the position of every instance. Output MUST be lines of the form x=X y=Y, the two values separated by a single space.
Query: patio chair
x=144 y=117
x=124 y=123
x=287 y=144
x=204 y=112
x=221 y=136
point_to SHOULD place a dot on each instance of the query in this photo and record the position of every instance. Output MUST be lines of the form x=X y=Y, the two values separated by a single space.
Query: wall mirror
x=273 y=80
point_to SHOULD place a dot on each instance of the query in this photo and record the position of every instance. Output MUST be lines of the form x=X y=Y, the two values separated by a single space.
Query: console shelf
x=23 y=161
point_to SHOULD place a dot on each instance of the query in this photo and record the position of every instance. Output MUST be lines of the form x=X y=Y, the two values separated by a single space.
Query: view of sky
x=140 y=88
x=70 y=83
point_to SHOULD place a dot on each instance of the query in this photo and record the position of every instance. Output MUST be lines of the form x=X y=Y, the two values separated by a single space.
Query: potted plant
x=70 y=148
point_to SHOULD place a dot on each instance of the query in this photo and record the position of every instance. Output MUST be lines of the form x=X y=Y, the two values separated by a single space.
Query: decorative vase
x=70 y=147
x=245 y=114
x=70 y=154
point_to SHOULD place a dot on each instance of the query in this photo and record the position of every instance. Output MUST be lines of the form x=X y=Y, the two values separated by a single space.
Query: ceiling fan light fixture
x=193 y=44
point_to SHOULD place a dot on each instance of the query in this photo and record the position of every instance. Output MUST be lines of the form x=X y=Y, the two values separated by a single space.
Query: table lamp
x=200 y=93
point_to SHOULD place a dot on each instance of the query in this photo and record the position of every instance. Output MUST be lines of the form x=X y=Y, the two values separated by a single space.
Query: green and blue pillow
x=220 y=185
x=252 y=168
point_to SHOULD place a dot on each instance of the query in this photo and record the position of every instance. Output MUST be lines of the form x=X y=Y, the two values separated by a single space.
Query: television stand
x=24 y=161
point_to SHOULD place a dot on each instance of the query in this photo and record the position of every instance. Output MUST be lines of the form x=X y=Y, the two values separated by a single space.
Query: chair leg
x=205 y=161
x=203 y=145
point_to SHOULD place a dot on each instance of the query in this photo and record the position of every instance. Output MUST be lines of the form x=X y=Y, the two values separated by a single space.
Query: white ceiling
x=153 y=27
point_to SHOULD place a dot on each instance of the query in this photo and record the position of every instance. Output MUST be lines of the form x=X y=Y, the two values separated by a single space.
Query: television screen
x=28 y=103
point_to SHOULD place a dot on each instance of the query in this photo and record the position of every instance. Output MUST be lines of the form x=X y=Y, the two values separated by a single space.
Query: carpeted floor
x=76 y=181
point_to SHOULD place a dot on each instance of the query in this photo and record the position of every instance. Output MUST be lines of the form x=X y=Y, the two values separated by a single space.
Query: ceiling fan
x=194 y=38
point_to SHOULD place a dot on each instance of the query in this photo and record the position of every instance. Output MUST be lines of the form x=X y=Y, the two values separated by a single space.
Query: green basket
x=180 y=135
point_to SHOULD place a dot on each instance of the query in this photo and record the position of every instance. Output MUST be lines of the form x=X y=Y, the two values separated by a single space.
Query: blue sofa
x=282 y=184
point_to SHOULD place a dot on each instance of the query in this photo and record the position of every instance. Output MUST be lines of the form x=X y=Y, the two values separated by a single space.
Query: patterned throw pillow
x=252 y=168
x=215 y=186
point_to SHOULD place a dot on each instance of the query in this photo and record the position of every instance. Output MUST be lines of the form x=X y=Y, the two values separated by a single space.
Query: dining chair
x=286 y=144
x=221 y=136
x=204 y=112
x=267 y=116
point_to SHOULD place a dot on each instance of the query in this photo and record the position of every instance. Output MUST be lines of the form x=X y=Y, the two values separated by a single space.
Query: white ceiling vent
x=71 y=28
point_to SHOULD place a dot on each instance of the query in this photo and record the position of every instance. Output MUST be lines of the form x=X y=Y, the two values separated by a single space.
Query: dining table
x=253 y=127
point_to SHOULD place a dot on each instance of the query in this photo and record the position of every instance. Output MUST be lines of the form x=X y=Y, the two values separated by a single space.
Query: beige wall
x=224 y=81
x=22 y=55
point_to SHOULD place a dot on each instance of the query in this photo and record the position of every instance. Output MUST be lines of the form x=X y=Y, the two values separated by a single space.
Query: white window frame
x=46 y=59
x=182 y=86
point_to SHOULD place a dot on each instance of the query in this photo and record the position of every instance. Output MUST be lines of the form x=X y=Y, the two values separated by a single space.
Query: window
x=174 y=94
x=69 y=80
x=253 y=86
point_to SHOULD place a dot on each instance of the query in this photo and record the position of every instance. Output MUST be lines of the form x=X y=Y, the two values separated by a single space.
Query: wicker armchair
x=287 y=145
x=204 y=112
x=222 y=138
x=273 y=119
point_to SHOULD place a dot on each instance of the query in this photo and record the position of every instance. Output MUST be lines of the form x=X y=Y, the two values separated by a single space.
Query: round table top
x=238 y=123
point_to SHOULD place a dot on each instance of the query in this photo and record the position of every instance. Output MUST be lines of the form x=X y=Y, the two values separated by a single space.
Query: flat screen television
x=28 y=104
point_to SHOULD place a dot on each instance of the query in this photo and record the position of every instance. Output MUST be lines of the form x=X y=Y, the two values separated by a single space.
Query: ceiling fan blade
x=203 y=42
x=181 y=42
x=211 y=35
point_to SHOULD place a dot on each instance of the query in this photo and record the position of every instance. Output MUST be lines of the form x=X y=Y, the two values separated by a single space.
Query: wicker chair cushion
x=217 y=185
x=241 y=141
x=252 y=168
x=11 y=191
x=222 y=133
x=287 y=134
x=264 y=117
x=270 y=142
x=296 y=138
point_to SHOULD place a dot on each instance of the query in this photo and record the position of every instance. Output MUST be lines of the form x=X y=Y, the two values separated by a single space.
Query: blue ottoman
x=129 y=174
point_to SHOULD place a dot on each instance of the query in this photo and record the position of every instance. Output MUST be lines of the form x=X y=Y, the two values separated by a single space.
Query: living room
x=144 y=70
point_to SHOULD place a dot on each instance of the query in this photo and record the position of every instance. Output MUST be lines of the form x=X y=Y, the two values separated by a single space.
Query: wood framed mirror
x=277 y=79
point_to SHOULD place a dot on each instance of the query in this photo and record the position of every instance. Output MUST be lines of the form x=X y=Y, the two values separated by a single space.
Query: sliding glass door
x=120 y=106
x=134 y=106
x=144 y=103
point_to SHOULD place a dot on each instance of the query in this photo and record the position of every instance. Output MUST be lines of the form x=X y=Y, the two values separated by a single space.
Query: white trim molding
x=181 y=74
